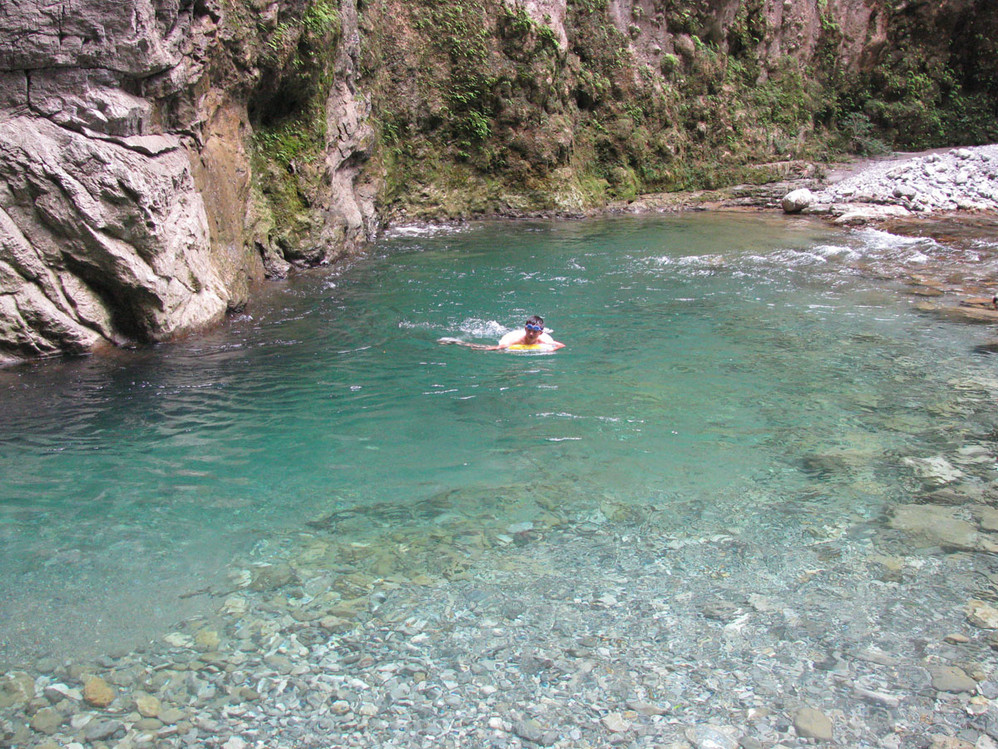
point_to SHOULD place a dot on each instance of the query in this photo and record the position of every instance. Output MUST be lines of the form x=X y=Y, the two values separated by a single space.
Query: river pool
x=761 y=378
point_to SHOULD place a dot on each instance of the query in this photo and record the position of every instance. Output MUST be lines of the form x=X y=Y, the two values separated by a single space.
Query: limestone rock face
x=127 y=211
x=99 y=238
x=351 y=140
x=104 y=235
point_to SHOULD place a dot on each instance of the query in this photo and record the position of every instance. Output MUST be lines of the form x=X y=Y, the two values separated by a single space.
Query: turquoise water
x=713 y=364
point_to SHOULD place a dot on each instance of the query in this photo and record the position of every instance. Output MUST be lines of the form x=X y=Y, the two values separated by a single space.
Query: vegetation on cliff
x=481 y=108
x=932 y=83
x=487 y=107
x=287 y=110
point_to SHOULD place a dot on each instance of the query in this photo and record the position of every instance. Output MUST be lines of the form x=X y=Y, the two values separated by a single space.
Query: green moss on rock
x=287 y=111
x=480 y=107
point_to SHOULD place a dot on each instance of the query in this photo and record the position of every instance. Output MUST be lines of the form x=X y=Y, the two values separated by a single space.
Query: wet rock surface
x=949 y=195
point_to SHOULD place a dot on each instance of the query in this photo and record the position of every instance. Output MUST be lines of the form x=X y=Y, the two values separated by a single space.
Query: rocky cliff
x=131 y=207
x=160 y=157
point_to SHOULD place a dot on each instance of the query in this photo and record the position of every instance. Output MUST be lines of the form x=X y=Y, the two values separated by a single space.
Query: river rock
x=853 y=215
x=102 y=729
x=47 y=720
x=934 y=183
x=982 y=614
x=987 y=518
x=147 y=706
x=529 y=730
x=936 y=470
x=57 y=692
x=812 y=724
x=951 y=679
x=646 y=708
x=97 y=692
x=950 y=742
x=797 y=200
x=615 y=723
x=711 y=737
x=271 y=576
x=236 y=606
x=956 y=313
x=16 y=688
x=936 y=525
x=207 y=640
x=171 y=715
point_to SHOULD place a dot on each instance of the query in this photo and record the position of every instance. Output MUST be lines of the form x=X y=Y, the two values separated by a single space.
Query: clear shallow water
x=725 y=372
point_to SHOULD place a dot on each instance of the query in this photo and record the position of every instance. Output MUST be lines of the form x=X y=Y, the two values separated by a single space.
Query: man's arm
x=466 y=344
x=546 y=339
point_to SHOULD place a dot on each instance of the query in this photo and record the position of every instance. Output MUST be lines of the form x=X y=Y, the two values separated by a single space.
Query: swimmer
x=531 y=335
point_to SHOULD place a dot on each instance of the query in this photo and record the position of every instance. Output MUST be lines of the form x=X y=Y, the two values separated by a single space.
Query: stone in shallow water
x=646 y=708
x=529 y=730
x=99 y=730
x=935 y=524
x=47 y=720
x=987 y=518
x=178 y=640
x=720 y=610
x=812 y=724
x=206 y=640
x=16 y=688
x=616 y=723
x=147 y=706
x=982 y=615
x=171 y=715
x=936 y=470
x=97 y=692
x=711 y=737
x=55 y=693
x=272 y=576
x=951 y=679
x=950 y=742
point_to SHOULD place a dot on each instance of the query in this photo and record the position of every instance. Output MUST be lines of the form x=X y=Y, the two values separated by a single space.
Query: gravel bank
x=962 y=179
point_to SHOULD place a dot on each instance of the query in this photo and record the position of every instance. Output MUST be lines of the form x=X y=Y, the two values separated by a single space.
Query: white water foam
x=423 y=230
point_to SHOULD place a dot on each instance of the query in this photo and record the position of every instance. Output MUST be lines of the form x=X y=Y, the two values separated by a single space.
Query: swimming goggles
x=538 y=328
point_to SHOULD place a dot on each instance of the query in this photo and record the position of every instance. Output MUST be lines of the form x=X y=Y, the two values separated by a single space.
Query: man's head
x=534 y=326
